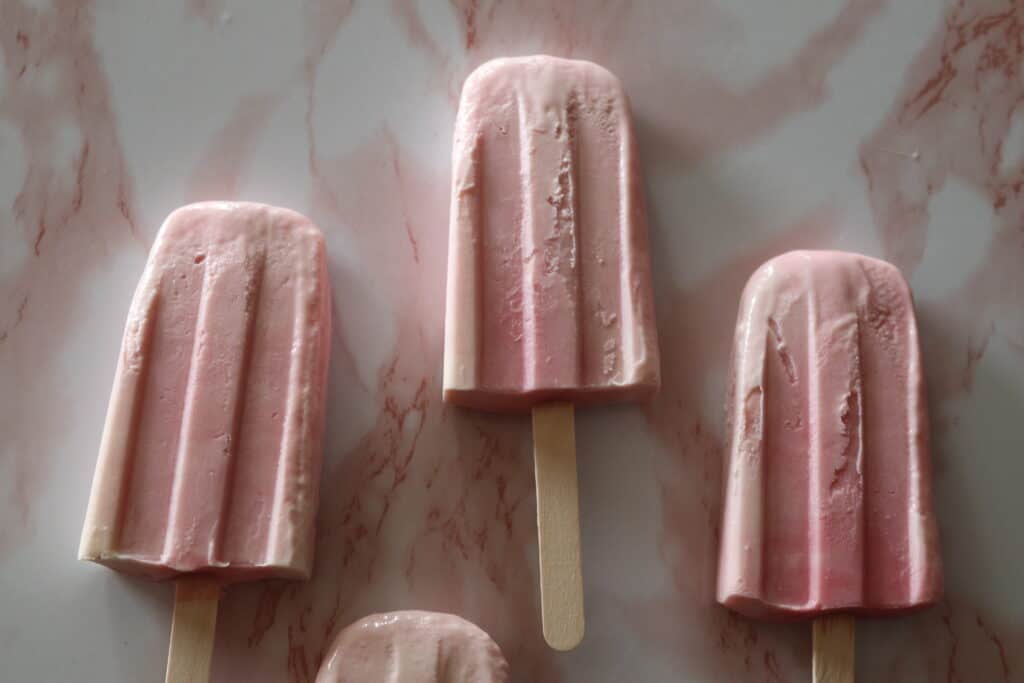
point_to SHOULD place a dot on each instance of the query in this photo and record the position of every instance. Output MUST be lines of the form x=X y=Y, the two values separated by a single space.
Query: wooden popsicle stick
x=192 y=629
x=558 y=525
x=832 y=642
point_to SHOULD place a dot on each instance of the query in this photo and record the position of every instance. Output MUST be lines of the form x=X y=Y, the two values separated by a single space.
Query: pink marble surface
x=892 y=128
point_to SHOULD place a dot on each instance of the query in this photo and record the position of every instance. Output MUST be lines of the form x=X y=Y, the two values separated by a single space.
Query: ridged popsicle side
x=211 y=451
x=549 y=285
x=828 y=486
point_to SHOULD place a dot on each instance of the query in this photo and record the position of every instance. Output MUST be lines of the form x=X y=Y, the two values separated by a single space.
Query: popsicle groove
x=252 y=306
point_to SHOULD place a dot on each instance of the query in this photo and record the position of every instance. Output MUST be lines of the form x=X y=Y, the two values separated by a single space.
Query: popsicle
x=208 y=470
x=549 y=301
x=413 y=647
x=828 y=506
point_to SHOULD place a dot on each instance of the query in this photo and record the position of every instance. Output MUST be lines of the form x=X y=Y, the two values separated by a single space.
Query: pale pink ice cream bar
x=413 y=647
x=828 y=501
x=210 y=454
x=549 y=283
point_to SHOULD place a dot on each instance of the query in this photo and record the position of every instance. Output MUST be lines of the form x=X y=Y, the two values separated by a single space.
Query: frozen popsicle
x=413 y=647
x=828 y=504
x=210 y=457
x=549 y=300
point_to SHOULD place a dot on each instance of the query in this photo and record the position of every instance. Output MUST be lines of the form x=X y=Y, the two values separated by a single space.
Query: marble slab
x=891 y=128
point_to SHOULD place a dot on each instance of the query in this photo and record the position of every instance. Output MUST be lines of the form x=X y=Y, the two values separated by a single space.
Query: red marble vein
x=772 y=666
x=396 y=167
x=408 y=15
x=299 y=669
x=954 y=644
x=977 y=343
x=324 y=19
x=20 y=315
x=266 y=609
x=990 y=634
x=469 y=10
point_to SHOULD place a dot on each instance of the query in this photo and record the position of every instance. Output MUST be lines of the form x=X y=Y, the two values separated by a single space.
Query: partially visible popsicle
x=413 y=647
x=549 y=285
x=210 y=458
x=828 y=503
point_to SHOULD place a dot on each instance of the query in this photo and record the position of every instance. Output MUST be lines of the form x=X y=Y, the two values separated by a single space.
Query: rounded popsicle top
x=782 y=271
x=414 y=647
x=871 y=286
x=828 y=503
x=222 y=221
x=496 y=78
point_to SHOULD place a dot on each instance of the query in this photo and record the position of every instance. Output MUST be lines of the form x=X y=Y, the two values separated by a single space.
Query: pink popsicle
x=549 y=285
x=413 y=647
x=828 y=503
x=210 y=457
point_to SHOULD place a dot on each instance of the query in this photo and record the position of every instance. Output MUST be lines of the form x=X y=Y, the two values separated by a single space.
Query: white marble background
x=891 y=127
